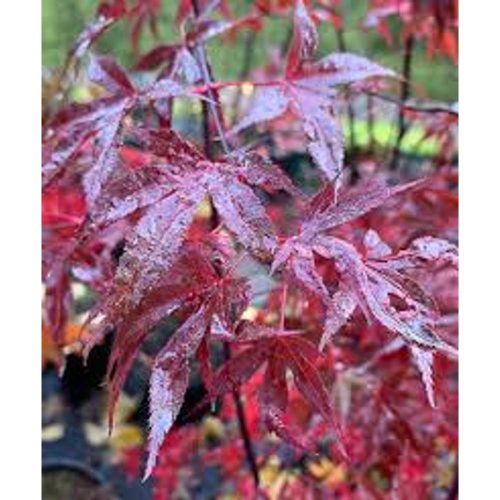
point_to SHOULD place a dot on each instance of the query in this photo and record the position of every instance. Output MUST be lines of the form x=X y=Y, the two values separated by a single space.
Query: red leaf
x=104 y=71
x=154 y=246
x=169 y=381
x=304 y=39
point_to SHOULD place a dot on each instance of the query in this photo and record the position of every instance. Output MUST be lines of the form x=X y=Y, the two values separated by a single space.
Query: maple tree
x=160 y=224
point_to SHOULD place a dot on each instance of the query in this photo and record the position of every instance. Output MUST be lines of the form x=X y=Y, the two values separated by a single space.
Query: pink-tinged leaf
x=375 y=246
x=259 y=171
x=342 y=69
x=205 y=367
x=170 y=147
x=267 y=103
x=281 y=257
x=304 y=39
x=131 y=331
x=164 y=89
x=105 y=72
x=219 y=329
x=423 y=360
x=207 y=29
x=243 y=214
x=169 y=381
x=90 y=34
x=187 y=66
x=431 y=249
x=304 y=270
x=356 y=278
x=78 y=116
x=248 y=331
x=125 y=196
x=355 y=204
x=107 y=159
x=154 y=245
x=341 y=308
x=57 y=301
x=55 y=160
x=325 y=140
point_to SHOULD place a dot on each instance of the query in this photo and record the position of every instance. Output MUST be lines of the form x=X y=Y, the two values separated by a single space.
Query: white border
x=20 y=353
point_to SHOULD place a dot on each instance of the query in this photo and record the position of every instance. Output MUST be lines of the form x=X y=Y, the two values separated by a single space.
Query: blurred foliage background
x=62 y=20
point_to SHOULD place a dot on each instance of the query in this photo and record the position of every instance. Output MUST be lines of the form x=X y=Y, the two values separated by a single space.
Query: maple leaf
x=366 y=284
x=198 y=289
x=308 y=91
x=168 y=209
x=169 y=380
x=281 y=352
x=102 y=121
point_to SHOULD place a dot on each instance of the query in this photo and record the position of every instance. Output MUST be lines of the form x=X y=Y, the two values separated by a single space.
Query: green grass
x=384 y=135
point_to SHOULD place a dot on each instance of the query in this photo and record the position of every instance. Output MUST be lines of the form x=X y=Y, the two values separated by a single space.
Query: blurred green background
x=62 y=20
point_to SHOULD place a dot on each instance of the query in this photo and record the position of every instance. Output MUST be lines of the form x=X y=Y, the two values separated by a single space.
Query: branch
x=415 y=107
x=350 y=110
x=247 y=441
x=404 y=94
x=213 y=103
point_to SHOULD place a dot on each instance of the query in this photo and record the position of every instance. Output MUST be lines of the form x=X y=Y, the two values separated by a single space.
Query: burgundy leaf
x=342 y=306
x=243 y=214
x=304 y=39
x=155 y=243
x=169 y=381
x=104 y=71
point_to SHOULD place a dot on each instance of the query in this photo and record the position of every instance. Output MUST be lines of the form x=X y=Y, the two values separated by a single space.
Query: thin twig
x=404 y=94
x=415 y=107
x=370 y=122
x=206 y=72
x=340 y=34
x=245 y=435
x=284 y=294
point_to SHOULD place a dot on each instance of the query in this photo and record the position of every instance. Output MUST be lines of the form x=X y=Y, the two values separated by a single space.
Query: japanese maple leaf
x=280 y=352
x=308 y=90
x=167 y=206
x=366 y=281
x=207 y=296
x=100 y=120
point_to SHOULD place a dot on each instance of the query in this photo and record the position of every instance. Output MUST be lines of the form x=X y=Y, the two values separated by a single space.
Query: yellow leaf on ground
x=52 y=432
x=96 y=434
x=125 y=437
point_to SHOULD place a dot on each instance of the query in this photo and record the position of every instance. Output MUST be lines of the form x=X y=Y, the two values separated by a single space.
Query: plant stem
x=350 y=110
x=242 y=423
x=404 y=94
x=213 y=103
x=283 y=306
x=371 y=122
x=414 y=107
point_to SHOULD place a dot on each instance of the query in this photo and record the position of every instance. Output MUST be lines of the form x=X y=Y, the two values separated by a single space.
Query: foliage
x=362 y=271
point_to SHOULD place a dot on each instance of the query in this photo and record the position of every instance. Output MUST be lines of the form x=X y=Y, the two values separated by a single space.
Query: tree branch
x=213 y=103
x=404 y=94
x=247 y=441
x=415 y=107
